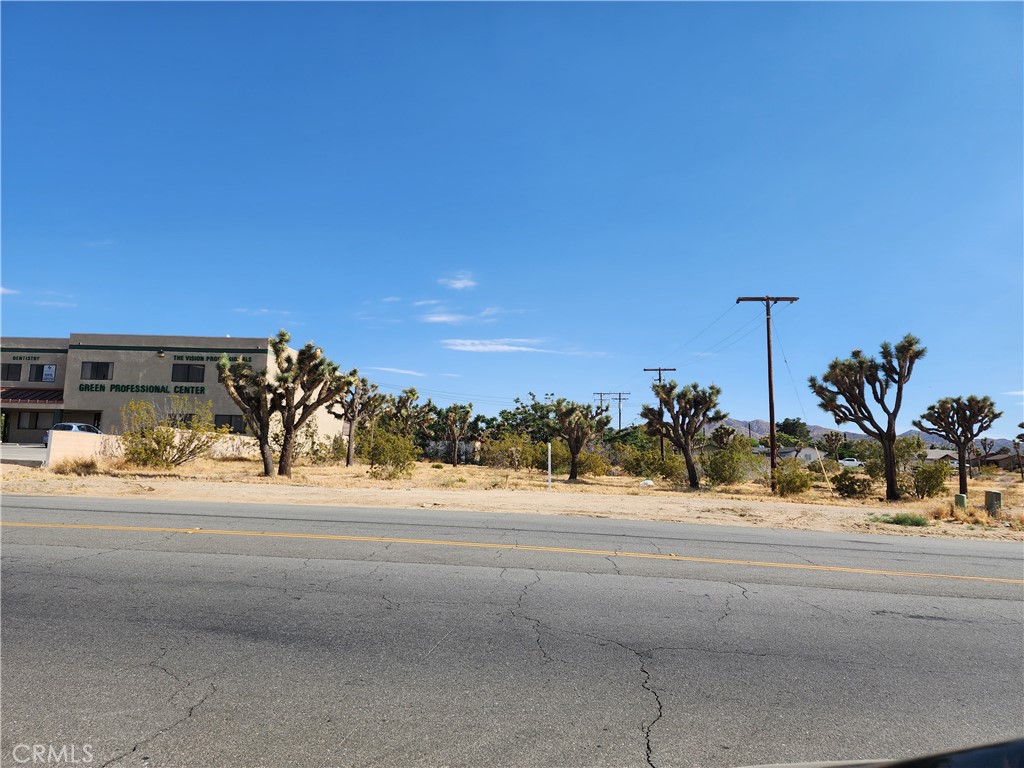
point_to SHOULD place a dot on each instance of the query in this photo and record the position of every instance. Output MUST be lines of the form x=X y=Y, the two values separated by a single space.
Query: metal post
x=549 y=466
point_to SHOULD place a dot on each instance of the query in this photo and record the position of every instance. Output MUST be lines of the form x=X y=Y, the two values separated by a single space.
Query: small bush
x=902 y=518
x=594 y=464
x=850 y=485
x=390 y=456
x=875 y=469
x=79 y=467
x=510 y=452
x=648 y=463
x=791 y=478
x=930 y=479
x=186 y=432
x=825 y=467
x=437 y=465
x=327 y=451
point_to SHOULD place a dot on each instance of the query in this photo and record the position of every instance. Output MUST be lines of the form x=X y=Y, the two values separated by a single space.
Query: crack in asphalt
x=645 y=684
x=534 y=623
x=154 y=664
x=168 y=728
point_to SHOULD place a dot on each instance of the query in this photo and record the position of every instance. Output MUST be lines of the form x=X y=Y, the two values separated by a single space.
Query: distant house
x=933 y=455
x=1001 y=460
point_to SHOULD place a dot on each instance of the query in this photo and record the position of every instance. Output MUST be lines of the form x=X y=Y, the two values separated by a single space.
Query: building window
x=237 y=423
x=42 y=372
x=97 y=371
x=11 y=372
x=35 y=419
x=183 y=420
x=188 y=372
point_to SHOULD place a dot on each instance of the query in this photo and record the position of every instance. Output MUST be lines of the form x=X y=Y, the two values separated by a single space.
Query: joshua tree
x=959 y=422
x=357 y=405
x=833 y=442
x=682 y=416
x=578 y=425
x=302 y=383
x=456 y=419
x=845 y=387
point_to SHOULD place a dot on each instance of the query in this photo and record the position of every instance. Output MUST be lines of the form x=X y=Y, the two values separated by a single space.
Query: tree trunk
x=892 y=489
x=284 y=466
x=455 y=453
x=268 y=459
x=961 y=452
x=574 y=466
x=691 y=467
x=351 y=452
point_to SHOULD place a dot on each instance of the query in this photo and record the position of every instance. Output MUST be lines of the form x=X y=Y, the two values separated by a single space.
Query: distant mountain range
x=759 y=428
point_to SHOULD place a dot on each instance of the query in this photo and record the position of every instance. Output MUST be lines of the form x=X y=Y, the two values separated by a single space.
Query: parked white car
x=851 y=463
x=70 y=426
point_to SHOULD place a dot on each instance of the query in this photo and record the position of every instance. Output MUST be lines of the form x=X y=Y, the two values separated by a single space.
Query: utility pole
x=661 y=408
x=620 y=398
x=768 y=302
x=601 y=395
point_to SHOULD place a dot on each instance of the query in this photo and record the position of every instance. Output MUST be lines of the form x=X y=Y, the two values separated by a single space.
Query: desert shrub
x=561 y=460
x=329 y=451
x=390 y=456
x=930 y=479
x=76 y=466
x=184 y=433
x=437 y=465
x=648 y=463
x=723 y=467
x=825 y=467
x=594 y=464
x=875 y=469
x=902 y=518
x=791 y=478
x=510 y=451
x=850 y=485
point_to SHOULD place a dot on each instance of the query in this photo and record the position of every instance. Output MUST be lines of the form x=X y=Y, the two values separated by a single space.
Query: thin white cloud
x=445 y=317
x=262 y=312
x=390 y=299
x=460 y=282
x=366 y=318
x=397 y=370
x=495 y=345
x=65 y=304
x=1018 y=393
x=452 y=375
x=7 y=291
x=426 y=303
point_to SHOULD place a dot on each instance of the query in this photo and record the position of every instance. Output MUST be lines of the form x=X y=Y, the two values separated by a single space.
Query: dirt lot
x=485 y=489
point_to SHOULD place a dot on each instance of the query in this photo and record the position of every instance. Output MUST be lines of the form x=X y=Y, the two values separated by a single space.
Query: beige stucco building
x=88 y=378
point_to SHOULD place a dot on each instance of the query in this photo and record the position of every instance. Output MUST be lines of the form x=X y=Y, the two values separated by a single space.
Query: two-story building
x=89 y=377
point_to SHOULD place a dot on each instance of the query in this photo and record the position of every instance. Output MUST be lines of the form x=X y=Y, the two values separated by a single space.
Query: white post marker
x=549 y=466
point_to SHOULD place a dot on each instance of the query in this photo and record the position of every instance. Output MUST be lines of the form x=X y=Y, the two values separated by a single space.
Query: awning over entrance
x=26 y=396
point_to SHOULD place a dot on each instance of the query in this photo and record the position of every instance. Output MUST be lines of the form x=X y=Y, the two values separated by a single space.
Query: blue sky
x=482 y=200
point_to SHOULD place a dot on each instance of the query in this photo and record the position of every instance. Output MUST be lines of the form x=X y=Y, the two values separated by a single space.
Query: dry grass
x=80 y=467
x=487 y=489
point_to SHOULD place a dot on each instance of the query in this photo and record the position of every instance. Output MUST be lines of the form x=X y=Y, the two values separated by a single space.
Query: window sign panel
x=97 y=371
x=49 y=373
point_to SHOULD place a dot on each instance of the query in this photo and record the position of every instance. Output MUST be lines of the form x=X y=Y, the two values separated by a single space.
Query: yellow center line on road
x=519 y=547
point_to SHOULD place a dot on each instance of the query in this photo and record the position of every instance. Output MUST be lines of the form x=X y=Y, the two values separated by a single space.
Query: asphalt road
x=183 y=634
